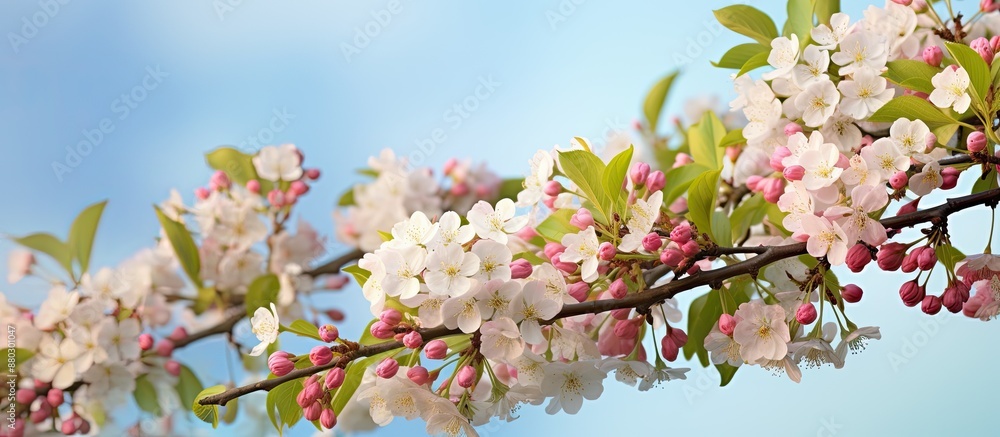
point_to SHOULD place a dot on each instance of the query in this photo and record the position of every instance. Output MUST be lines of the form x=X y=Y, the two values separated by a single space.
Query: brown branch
x=645 y=299
x=334 y=265
x=224 y=327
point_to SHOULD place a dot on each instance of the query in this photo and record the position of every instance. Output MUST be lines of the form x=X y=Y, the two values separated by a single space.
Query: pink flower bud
x=201 y=193
x=219 y=181
x=909 y=264
x=253 y=186
x=449 y=166
x=335 y=315
x=334 y=378
x=312 y=174
x=329 y=333
x=320 y=355
x=55 y=397
x=328 y=418
x=313 y=411
x=299 y=188
x=949 y=177
x=412 y=340
x=911 y=293
x=690 y=248
x=903 y=2
x=976 y=142
x=277 y=198
x=733 y=153
x=681 y=233
x=70 y=424
x=381 y=331
x=583 y=219
x=792 y=129
x=178 y=334
x=553 y=249
x=387 y=368
x=279 y=364
x=851 y=293
x=727 y=324
x=933 y=55
x=621 y=314
x=436 y=349
x=680 y=160
x=165 y=348
x=145 y=341
x=678 y=206
x=520 y=269
x=527 y=233
x=794 y=173
x=982 y=46
x=899 y=180
x=391 y=317
x=618 y=289
x=671 y=257
x=780 y=153
x=806 y=314
x=460 y=189
x=43 y=412
x=955 y=296
x=652 y=242
x=919 y=6
x=890 y=256
x=858 y=256
x=550 y=202
x=656 y=181
x=553 y=188
x=909 y=207
x=753 y=183
x=25 y=396
x=172 y=367
x=566 y=267
x=607 y=251
x=672 y=343
x=626 y=328
x=927 y=258
x=639 y=173
x=931 y=304
x=579 y=291
x=466 y=377
x=772 y=188
x=418 y=374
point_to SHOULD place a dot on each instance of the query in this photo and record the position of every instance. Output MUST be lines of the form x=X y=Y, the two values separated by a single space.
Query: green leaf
x=232 y=407
x=206 y=297
x=346 y=199
x=915 y=75
x=738 y=56
x=704 y=313
x=985 y=184
x=749 y=213
x=145 y=396
x=825 y=9
x=732 y=138
x=208 y=413
x=184 y=247
x=509 y=188
x=22 y=356
x=755 y=62
x=188 y=386
x=727 y=372
x=704 y=139
x=979 y=72
x=304 y=329
x=911 y=107
x=81 y=234
x=281 y=407
x=657 y=96
x=945 y=132
x=261 y=293
x=531 y=257
x=721 y=229
x=800 y=21
x=237 y=165
x=361 y=275
x=679 y=179
x=702 y=195
x=556 y=225
x=614 y=178
x=366 y=336
x=948 y=255
x=51 y=246
x=748 y=21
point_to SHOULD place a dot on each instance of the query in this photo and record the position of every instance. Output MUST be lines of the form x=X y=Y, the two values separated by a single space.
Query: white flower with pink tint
x=951 y=89
x=820 y=166
x=56 y=307
x=531 y=308
x=761 y=331
x=19 y=265
x=501 y=340
x=783 y=56
x=449 y=270
x=825 y=239
x=496 y=224
x=568 y=384
x=929 y=179
x=857 y=223
x=884 y=158
x=582 y=248
x=279 y=163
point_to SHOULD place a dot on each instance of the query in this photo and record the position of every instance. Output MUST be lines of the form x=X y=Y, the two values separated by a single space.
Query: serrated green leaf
x=755 y=62
x=704 y=139
x=304 y=329
x=912 y=74
x=184 y=247
x=188 y=386
x=50 y=245
x=736 y=57
x=614 y=180
x=657 y=96
x=145 y=396
x=261 y=293
x=702 y=196
x=979 y=72
x=208 y=413
x=748 y=21
x=82 y=232
x=911 y=107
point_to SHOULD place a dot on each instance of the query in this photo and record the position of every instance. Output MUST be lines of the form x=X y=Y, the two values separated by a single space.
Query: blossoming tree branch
x=487 y=294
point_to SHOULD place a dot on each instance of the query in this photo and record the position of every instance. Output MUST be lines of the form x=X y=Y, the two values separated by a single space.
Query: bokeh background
x=250 y=73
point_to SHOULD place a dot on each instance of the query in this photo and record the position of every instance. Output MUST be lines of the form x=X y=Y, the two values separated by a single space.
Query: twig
x=334 y=265
x=653 y=296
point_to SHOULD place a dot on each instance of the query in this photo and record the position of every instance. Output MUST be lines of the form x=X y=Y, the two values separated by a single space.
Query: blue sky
x=281 y=73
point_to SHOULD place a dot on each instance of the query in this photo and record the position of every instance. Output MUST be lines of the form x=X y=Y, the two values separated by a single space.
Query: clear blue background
x=580 y=72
